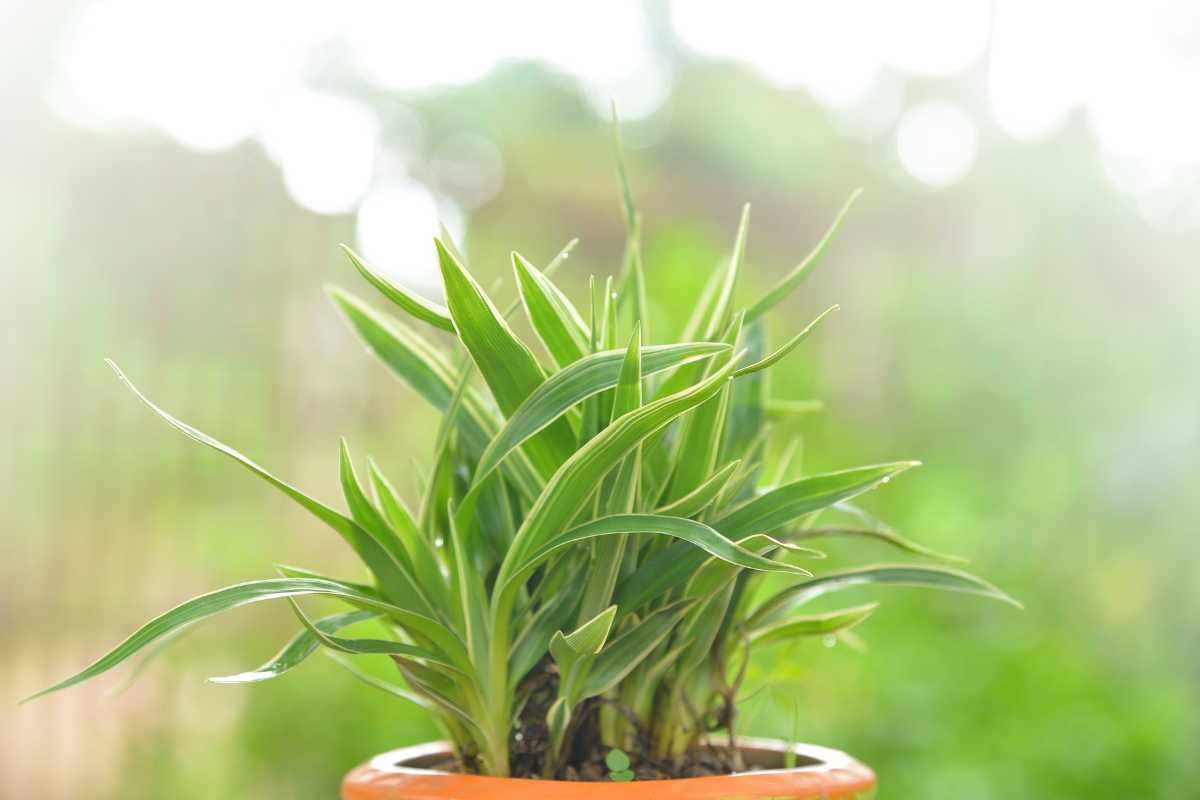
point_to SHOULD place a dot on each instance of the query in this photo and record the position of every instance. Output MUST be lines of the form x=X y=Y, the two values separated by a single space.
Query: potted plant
x=597 y=550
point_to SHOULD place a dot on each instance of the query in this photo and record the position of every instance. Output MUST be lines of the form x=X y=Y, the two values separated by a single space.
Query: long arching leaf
x=812 y=625
x=929 y=577
x=801 y=270
x=366 y=647
x=396 y=584
x=206 y=605
x=786 y=503
x=696 y=533
x=294 y=653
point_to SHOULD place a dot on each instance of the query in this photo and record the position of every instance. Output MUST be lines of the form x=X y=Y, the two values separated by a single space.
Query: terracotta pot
x=820 y=773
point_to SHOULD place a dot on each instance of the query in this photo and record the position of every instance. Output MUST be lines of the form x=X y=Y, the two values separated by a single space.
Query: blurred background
x=1019 y=310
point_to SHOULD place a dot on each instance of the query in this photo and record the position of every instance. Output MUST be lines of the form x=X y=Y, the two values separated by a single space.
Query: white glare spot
x=821 y=47
x=395 y=228
x=405 y=46
x=936 y=143
x=327 y=147
x=637 y=95
x=932 y=37
x=199 y=72
x=1029 y=81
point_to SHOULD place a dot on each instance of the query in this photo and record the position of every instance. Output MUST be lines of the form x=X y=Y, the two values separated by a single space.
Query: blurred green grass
x=1023 y=333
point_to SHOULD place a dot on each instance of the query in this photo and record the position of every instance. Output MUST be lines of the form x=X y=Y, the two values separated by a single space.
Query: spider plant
x=597 y=548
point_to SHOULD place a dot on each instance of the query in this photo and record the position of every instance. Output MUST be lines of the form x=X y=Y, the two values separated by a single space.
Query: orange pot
x=820 y=773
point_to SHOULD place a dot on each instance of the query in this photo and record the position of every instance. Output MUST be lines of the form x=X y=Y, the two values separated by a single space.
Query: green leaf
x=426 y=371
x=628 y=650
x=814 y=625
x=628 y=395
x=703 y=430
x=722 y=303
x=701 y=627
x=241 y=594
x=709 y=574
x=369 y=519
x=288 y=571
x=506 y=364
x=800 y=272
x=590 y=637
x=786 y=503
x=699 y=498
x=553 y=316
x=881 y=534
x=616 y=760
x=632 y=286
x=746 y=425
x=627 y=206
x=302 y=645
x=929 y=577
x=371 y=680
x=696 y=533
x=534 y=638
x=587 y=377
x=366 y=647
x=620 y=487
x=416 y=305
x=425 y=562
x=778 y=355
x=395 y=583
x=471 y=595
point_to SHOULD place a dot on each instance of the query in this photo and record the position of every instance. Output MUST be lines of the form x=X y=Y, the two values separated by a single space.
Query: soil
x=530 y=743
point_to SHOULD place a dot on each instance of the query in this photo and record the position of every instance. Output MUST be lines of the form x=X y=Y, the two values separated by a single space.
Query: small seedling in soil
x=618 y=765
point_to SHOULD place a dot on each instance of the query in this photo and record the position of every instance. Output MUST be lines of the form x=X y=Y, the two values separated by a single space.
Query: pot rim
x=829 y=773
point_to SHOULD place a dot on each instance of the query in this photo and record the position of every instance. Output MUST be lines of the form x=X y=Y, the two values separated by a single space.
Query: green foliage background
x=1024 y=333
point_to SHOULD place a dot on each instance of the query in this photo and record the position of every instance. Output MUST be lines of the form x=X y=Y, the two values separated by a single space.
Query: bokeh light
x=395 y=227
x=326 y=146
x=936 y=143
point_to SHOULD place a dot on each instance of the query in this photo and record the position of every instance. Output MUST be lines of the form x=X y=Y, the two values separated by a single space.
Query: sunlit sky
x=212 y=75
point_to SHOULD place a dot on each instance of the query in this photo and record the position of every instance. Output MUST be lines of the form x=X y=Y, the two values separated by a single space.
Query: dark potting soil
x=530 y=742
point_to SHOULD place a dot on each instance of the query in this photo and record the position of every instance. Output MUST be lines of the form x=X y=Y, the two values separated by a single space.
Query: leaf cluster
x=596 y=516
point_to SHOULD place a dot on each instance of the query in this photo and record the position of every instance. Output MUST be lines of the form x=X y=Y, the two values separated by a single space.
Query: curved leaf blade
x=812 y=625
x=295 y=652
x=396 y=584
x=699 y=498
x=425 y=370
x=435 y=314
x=506 y=364
x=587 y=377
x=778 y=355
x=623 y=654
x=929 y=577
x=207 y=605
x=552 y=315
x=696 y=533
x=793 y=279
x=365 y=647
x=786 y=503
x=884 y=535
